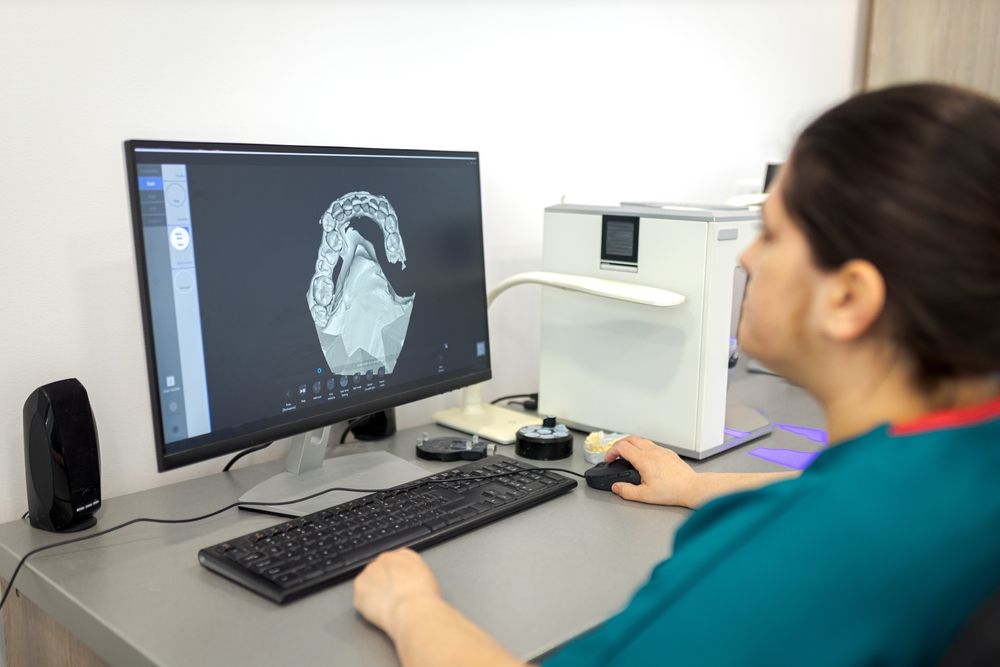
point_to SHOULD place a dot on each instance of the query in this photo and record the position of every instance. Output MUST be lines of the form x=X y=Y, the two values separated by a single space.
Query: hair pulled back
x=908 y=178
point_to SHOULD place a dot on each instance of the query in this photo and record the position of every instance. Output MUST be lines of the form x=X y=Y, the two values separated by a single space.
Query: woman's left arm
x=398 y=593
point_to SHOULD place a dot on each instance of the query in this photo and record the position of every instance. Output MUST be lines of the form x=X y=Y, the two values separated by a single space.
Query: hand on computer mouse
x=605 y=475
x=666 y=479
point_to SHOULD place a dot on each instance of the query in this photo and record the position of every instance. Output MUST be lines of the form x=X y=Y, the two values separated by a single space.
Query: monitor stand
x=307 y=472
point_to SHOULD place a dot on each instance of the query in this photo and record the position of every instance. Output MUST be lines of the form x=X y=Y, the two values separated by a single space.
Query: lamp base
x=491 y=422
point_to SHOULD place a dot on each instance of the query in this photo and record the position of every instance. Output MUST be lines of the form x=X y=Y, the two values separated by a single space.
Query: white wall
x=597 y=101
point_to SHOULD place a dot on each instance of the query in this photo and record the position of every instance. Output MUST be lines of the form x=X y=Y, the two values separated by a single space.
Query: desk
x=534 y=580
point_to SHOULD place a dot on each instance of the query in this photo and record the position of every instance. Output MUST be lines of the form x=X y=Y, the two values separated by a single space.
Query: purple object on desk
x=814 y=434
x=789 y=458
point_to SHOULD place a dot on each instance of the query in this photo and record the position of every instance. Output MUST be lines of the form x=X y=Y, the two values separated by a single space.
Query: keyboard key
x=375 y=547
x=435 y=523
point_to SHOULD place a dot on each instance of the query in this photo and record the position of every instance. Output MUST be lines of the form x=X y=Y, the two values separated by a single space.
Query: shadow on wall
x=514 y=322
x=111 y=356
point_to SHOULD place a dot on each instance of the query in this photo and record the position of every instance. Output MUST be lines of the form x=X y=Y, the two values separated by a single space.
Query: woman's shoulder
x=880 y=488
x=902 y=504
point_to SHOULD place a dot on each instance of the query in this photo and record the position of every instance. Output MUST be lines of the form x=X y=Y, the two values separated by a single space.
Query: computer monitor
x=770 y=173
x=285 y=288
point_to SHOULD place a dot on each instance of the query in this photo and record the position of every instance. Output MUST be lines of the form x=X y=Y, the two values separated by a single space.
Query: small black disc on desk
x=451 y=449
x=547 y=442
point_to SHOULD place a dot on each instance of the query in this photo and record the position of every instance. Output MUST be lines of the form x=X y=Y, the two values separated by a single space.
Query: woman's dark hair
x=908 y=178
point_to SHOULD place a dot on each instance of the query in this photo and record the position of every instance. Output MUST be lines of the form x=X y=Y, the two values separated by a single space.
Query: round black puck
x=547 y=442
x=451 y=449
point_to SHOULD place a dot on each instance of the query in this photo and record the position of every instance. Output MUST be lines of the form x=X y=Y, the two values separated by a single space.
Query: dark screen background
x=256 y=236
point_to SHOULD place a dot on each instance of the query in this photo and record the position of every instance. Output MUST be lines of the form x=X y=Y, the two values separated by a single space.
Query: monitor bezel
x=236 y=443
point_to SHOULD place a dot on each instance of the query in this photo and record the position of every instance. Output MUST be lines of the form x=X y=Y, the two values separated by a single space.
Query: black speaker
x=62 y=463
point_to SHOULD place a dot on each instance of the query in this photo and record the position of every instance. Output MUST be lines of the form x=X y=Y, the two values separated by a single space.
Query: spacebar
x=371 y=549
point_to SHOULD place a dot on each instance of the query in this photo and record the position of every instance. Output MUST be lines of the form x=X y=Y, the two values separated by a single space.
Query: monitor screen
x=285 y=288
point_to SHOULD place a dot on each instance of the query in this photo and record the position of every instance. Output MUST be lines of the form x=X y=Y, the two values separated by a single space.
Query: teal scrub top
x=875 y=555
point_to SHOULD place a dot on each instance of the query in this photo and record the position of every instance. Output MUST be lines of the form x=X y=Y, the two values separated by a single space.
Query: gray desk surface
x=534 y=580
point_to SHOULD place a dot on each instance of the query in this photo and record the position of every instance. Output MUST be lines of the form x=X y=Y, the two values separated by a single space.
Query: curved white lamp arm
x=611 y=289
x=501 y=424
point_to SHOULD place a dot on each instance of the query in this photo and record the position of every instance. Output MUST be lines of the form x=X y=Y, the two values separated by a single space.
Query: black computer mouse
x=604 y=475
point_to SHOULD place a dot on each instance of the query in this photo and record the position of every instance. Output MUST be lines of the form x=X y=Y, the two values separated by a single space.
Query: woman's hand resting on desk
x=398 y=593
x=391 y=581
x=668 y=480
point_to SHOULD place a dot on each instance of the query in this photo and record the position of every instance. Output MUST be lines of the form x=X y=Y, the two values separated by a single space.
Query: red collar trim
x=952 y=418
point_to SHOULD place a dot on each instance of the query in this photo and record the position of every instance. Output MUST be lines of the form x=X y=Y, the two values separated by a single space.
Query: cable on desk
x=533 y=397
x=249 y=450
x=404 y=487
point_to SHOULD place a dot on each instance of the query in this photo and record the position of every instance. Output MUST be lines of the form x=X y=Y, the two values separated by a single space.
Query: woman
x=875 y=285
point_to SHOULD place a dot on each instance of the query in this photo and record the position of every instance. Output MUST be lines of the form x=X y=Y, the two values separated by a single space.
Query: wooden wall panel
x=955 y=41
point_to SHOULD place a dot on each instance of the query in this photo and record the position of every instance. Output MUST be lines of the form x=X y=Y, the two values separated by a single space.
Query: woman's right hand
x=666 y=479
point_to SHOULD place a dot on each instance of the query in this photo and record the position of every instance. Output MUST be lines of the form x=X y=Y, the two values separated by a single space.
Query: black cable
x=353 y=424
x=249 y=450
x=504 y=398
x=25 y=514
x=397 y=489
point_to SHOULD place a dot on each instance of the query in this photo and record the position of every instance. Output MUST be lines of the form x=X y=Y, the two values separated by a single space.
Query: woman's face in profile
x=778 y=325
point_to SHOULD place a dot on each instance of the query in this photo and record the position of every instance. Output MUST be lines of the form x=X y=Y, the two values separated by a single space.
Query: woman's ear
x=853 y=300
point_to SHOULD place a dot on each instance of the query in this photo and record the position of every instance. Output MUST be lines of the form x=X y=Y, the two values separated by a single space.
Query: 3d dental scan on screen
x=279 y=296
x=360 y=320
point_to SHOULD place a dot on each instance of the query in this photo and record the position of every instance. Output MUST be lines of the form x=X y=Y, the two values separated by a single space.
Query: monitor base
x=490 y=422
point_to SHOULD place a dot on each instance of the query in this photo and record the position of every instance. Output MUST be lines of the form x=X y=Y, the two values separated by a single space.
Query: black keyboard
x=301 y=556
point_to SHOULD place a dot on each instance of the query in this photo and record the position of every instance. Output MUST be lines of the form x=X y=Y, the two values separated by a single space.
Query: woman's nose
x=746 y=257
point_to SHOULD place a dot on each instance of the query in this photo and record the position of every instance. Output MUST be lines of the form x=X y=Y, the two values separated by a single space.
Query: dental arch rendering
x=360 y=320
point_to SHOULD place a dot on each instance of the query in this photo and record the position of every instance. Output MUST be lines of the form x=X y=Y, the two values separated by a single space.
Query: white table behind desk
x=533 y=580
